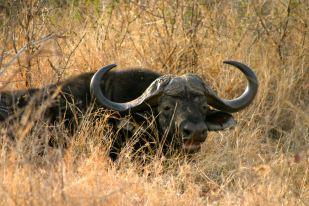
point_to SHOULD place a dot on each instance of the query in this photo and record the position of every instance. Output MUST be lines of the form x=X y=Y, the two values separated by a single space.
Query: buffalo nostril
x=186 y=132
x=194 y=130
x=201 y=129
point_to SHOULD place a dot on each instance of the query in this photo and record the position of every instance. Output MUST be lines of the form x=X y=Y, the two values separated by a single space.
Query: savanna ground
x=262 y=161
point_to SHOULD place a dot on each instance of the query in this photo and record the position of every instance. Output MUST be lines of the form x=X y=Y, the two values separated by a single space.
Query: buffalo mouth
x=191 y=146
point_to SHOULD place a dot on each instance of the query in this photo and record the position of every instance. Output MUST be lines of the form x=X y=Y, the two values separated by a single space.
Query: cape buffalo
x=185 y=107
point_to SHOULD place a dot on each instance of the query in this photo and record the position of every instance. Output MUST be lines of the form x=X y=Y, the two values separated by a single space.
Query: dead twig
x=23 y=49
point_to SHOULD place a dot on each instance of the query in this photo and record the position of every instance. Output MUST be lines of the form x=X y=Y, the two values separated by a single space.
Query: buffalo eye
x=205 y=107
x=167 y=108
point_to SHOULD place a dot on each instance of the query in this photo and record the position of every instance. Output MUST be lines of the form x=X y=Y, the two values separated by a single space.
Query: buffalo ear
x=218 y=120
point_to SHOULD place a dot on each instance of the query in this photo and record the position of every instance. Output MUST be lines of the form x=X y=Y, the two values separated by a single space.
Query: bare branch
x=23 y=49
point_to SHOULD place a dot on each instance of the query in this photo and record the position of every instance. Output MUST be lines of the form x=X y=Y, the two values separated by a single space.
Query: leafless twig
x=23 y=49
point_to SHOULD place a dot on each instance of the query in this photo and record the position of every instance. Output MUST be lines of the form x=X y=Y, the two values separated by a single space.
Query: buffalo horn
x=154 y=89
x=243 y=100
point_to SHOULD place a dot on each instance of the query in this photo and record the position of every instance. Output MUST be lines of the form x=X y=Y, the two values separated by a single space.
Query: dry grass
x=262 y=161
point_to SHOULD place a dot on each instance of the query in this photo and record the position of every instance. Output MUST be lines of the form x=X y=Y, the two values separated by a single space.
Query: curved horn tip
x=227 y=61
x=231 y=62
x=246 y=98
x=109 y=66
x=245 y=69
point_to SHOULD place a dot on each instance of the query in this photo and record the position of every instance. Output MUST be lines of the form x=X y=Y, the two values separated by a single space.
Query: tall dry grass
x=262 y=161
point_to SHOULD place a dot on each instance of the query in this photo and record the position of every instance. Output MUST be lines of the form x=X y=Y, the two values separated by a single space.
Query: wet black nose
x=194 y=131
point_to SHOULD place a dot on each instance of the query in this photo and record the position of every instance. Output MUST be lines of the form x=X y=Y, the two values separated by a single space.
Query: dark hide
x=118 y=86
x=180 y=109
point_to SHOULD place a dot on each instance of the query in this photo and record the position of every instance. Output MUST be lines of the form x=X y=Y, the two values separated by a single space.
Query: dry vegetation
x=262 y=161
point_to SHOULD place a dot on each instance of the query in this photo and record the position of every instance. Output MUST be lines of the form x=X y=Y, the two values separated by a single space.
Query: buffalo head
x=183 y=104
